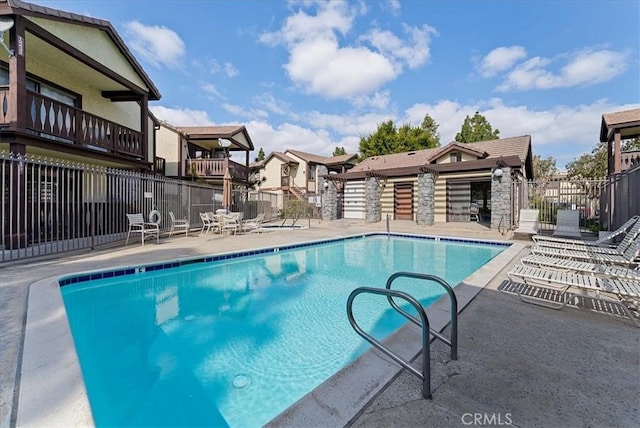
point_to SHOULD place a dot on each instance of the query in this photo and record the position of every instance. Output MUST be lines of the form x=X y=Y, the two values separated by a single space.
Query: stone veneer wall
x=330 y=202
x=372 y=191
x=501 y=199
x=426 y=199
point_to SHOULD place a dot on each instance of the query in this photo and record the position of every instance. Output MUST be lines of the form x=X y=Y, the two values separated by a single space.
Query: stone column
x=501 y=198
x=330 y=202
x=426 y=199
x=372 y=191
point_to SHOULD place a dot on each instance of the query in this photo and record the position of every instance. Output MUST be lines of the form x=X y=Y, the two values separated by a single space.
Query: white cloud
x=270 y=103
x=394 y=6
x=320 y=64
x=230 y=70
x=500 y=59
x=181 y=116
x=244 y=112
x=160 y=46
x=211 y=89
x=584 y=68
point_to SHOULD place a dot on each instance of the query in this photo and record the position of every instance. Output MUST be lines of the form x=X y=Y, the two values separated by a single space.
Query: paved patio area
x=518 y=364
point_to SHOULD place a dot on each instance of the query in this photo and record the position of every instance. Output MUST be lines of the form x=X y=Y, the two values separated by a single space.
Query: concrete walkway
x=536 y=366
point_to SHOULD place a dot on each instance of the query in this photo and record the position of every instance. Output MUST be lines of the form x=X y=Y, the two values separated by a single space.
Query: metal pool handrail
x=423 y=322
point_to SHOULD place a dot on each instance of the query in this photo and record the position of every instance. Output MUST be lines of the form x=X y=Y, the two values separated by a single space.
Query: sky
x=316 y=75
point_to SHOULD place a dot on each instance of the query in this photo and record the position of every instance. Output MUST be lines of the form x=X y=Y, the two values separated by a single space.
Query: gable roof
x=22 y=8
x=457 y=146
x=323 y=160
x=504 y=147
x=628 y=120
x=238 y=134
x=280 y=156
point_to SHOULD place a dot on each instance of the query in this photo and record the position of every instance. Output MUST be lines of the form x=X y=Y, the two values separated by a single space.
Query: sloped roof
x=323 y=160
x=514 y=146
x=628 y=120
x=19 y=7
x=230 y=132
x=281 y=156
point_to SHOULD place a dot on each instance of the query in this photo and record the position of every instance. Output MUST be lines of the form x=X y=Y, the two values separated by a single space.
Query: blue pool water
x=234 y=342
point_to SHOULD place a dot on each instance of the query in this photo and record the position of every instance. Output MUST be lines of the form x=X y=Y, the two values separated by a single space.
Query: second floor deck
x=213 y=169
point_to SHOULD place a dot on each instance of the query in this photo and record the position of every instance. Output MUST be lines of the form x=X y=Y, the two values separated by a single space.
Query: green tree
x=390 y=139
x=543 y=171
x=476 y=128
x=260 y=156
x=339 y=151
x=594 y=165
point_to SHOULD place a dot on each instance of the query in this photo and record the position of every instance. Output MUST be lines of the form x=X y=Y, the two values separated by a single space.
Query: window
x=455 y=157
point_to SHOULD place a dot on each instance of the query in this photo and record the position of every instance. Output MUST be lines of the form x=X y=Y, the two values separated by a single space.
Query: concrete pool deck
x=519 y=362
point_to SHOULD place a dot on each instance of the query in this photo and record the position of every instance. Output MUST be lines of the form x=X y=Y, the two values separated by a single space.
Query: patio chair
x=568 y=224
x=528 y=223
x=179 y=224
x=582 y=267
x=619 y=249
x=145 y=229
x=561 y=282
x=561 y=242
x=627 y=257
x=474 y=212
x=252 y=225
x=230 y=222
x=207 y=223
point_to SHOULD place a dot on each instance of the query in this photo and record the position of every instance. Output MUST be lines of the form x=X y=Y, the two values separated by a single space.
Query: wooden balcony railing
x=48 y=117
x=214 y=168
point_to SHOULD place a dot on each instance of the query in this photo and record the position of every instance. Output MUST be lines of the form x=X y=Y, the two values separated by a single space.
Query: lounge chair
x=528 y=222
x=619 y=249
x=145 y=229
x=625 y=254
x=586 y=268
x=561 y=282
x=568 y=224
x=252 y=225
x=559 y=242
x=179 y=224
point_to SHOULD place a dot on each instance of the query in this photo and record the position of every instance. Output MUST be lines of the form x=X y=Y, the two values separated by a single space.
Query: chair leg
x=127 y=241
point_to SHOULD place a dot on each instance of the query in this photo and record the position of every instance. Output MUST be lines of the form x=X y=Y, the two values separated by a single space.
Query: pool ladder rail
x=422 y=321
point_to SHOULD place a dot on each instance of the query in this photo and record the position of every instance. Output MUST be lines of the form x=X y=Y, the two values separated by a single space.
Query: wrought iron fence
x=50 y=206
x=549 y=196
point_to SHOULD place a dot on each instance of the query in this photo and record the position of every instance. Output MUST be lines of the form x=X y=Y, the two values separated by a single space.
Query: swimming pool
x=242 y=337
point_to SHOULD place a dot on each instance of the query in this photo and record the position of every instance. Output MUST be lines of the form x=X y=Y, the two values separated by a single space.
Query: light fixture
x=6 y=24
x=497 y=173
x=225 y=144
x=326 y=185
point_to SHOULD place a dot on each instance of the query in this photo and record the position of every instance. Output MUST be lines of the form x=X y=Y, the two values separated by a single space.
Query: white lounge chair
x=253 y=225
x=568 y=224
x=559 y=242
x=208 y=222
x=145 y=229
x=619 y=249
x=561 y=282
x=528 y=222
x=628 y=258
x=582 y=267
x=179 y=224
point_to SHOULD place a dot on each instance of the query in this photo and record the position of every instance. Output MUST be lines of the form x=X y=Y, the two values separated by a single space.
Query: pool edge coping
x=63 y=400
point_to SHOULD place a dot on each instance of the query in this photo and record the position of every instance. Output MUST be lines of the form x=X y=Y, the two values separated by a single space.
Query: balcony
x=49 y=118
x=211 y=169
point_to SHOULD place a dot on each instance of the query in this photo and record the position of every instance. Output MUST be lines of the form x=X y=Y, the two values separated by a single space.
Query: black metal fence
x=50 y=206
x=621 y=198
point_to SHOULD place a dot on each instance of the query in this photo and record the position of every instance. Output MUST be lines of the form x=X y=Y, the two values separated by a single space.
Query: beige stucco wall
x=168 y=146
x=95 y=43
x=298 y=172
x=271 y=171
x=447 y=158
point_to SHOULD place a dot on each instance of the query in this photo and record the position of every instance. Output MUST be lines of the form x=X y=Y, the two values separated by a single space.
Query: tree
x=389 y=139
x=260 y=156
x=594 y=165
x=476 y=128
x=543 y=171
x=339 y=151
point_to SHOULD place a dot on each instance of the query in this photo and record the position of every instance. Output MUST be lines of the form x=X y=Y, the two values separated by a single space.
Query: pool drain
x=241 y=381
